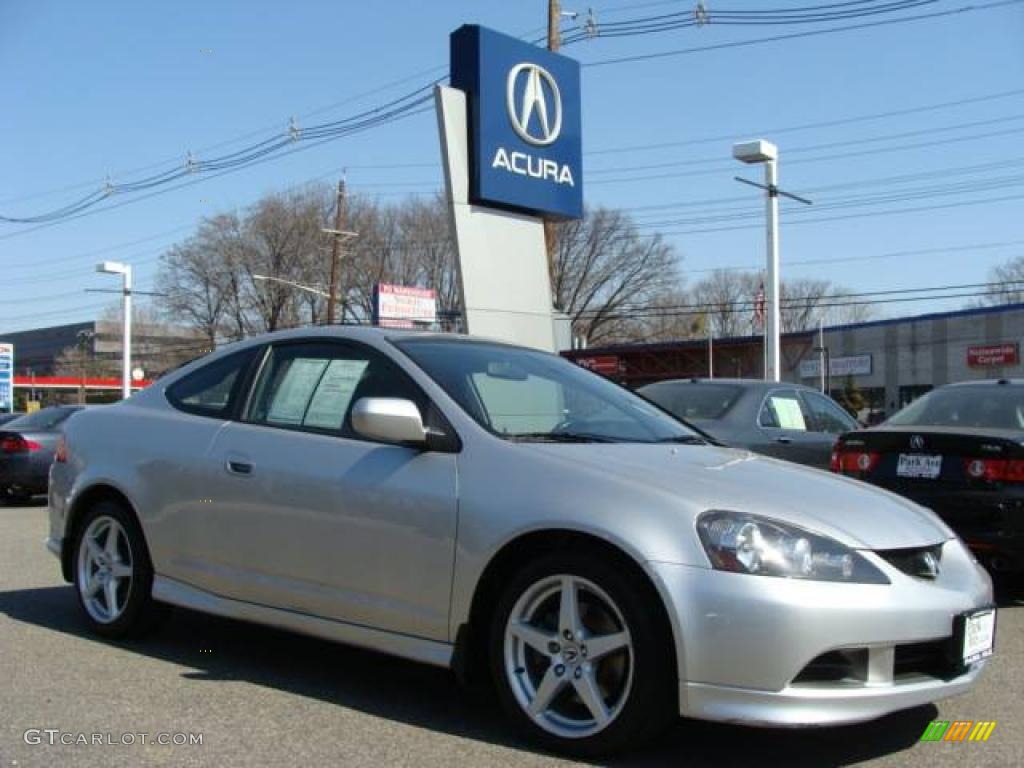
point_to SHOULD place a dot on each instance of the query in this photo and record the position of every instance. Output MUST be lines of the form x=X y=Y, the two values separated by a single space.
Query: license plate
x=979 y=635
x=919 y=465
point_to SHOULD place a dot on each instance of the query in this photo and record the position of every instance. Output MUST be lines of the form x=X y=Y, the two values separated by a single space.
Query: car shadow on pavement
x=218 y=649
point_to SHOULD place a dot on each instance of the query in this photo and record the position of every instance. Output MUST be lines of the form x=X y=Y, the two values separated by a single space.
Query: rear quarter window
x=213 y=389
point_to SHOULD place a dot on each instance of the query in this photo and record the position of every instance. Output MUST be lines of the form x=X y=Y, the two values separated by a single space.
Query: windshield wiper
x=683 y=440
x=560 y=437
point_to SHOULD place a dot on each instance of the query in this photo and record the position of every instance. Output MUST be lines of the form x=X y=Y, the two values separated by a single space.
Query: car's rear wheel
x=578 y=656
x=113 y=575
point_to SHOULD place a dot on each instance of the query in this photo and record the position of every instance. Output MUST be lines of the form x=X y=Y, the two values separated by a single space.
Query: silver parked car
x=787 y=421
x=477 y=505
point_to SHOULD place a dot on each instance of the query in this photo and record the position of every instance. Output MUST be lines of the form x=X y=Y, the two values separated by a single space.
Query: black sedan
x=958 y=450
x=787 y=421
x=27 y=445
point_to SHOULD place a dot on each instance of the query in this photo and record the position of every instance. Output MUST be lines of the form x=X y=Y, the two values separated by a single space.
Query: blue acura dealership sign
x=524 y=123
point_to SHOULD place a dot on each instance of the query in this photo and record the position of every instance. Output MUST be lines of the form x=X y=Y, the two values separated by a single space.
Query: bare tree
x=605 y=273
x=803 y=303
x=1006 y=284
x=726 y=298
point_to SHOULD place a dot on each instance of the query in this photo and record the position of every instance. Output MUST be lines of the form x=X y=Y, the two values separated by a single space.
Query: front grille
x=920 y=562
x=933 y=658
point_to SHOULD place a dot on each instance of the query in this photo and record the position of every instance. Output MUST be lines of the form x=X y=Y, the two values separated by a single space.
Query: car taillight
x=18 y=444
x=61 y=454
x=995 y=470
x=845 y=460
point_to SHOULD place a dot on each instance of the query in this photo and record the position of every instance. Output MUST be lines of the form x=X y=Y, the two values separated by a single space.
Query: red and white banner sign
x=993 y=354
x=606 y=365
x=402 y=306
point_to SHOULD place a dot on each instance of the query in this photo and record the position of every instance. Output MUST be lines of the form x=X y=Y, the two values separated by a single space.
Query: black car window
x=989 y=406
x=42 y=420
x=213 y=389
x=828 y=416
x=313 y=386
x=694 y=401
x=783 y=409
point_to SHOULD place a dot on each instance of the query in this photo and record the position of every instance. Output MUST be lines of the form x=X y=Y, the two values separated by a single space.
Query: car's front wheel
x=579 y=657
x=113 y=574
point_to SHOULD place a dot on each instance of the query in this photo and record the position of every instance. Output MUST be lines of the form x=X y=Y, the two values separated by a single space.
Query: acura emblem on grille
x=929 y=565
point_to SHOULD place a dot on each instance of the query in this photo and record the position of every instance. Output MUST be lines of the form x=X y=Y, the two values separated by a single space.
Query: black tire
x=651 y=701
x=140 y=613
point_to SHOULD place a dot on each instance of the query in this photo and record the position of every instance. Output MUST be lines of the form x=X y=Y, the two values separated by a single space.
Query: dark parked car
x=960 y=451
x=788 y=421
x=7 y=417
x=27 y=445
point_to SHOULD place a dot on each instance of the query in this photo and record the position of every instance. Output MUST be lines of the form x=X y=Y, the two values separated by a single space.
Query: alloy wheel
x=105 y=569
x=568 y=656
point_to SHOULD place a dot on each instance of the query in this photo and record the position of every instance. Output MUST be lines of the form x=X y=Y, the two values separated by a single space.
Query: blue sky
x=108 y=87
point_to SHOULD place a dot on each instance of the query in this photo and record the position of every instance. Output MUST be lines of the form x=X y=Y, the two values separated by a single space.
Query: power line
x=726 y=167
x=798 y=35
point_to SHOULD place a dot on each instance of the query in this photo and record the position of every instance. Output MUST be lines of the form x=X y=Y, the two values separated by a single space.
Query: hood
x=702 y=477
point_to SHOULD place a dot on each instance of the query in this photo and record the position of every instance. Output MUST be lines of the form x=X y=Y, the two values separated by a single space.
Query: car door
x=785 y=427
x=306 y=515
x=830 y=421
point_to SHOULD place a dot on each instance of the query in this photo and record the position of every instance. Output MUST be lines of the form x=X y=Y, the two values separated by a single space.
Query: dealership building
x=890 y=362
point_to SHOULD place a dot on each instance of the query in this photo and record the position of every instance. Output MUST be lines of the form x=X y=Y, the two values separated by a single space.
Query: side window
x=213 y=389
x=829 y=416
x=313 y=386
x=784 y=410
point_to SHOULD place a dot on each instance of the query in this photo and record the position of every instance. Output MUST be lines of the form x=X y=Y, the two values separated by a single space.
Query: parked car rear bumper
x=991 y=523
x=23 y=474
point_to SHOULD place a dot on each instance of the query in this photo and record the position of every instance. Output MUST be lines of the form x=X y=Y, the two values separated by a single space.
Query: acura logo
x=917 y=442
x=929 y=565
x=537 y=114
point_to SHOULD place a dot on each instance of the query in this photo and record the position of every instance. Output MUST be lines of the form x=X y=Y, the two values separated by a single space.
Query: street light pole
x=764 y=152
x=774 y=316
x=125 y=270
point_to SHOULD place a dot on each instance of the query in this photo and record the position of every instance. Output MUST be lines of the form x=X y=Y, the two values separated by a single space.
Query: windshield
x=693 y=401
x=42 y=420
x=992 y=407
x=519 y=394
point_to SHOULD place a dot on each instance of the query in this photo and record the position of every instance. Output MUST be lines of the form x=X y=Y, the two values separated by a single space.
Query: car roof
x=355 y=332
x=986 y=383
x=749 y=384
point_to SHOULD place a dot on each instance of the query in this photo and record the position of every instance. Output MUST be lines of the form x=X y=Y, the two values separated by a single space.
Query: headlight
x=745 y=543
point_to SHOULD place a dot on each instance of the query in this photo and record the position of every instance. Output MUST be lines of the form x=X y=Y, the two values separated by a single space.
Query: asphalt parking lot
x=263 y=697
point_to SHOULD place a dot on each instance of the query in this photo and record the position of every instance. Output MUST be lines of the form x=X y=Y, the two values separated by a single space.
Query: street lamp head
x=759 y=151
x=113 y=268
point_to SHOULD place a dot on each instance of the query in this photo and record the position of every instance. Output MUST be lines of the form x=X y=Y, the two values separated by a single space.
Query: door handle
x=236 y=467
x=784 y=440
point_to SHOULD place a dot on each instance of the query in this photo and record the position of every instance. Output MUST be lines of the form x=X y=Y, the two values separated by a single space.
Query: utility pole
x=339 y=222
x=550 y=228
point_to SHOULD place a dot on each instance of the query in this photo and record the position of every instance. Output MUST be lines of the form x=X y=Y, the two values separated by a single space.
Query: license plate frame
x=974 y=635
x=919 y=466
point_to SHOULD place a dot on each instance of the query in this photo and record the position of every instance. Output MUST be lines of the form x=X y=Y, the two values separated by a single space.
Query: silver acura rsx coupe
x=480 y=506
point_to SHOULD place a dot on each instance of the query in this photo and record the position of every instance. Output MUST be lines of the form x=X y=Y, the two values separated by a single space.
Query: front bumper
x=815 y=705
x=744 y=644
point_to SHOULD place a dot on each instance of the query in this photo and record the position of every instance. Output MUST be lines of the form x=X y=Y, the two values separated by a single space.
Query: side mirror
x=389 y=420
